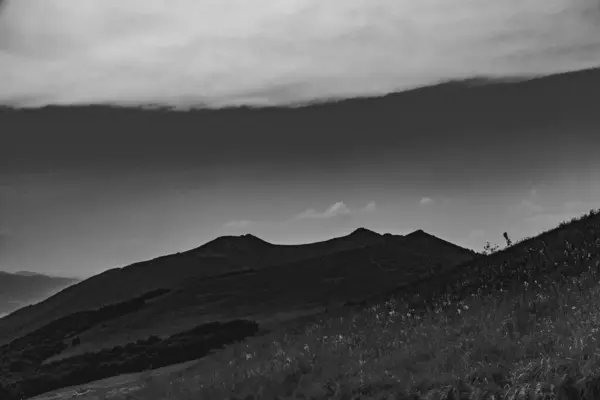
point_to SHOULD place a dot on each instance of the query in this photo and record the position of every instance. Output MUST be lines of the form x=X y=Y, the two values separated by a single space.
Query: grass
x=537 y=340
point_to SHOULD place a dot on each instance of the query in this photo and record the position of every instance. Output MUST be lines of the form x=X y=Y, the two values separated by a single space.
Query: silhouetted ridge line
x=420 y=234
x=245 y=240
x=363 y=232
x=483 y=274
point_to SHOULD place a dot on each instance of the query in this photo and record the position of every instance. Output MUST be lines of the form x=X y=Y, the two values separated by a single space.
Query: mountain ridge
x=97 y=345
x=223 y=256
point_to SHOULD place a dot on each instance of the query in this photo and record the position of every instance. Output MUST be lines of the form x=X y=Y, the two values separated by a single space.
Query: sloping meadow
x=531 y=333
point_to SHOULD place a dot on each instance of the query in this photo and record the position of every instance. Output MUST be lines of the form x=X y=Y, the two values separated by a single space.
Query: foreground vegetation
x=537 y=338
x=24 y=372
x=520 y=323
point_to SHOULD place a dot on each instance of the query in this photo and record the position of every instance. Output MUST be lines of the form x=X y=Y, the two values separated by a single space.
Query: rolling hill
x=230 y=280
x=221 y=269
x=242 y=301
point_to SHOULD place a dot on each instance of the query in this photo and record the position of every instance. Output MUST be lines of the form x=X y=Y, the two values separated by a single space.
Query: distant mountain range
x=23 y=288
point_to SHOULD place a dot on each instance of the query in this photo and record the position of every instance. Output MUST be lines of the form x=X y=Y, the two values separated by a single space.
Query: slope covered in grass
x=91 y=344
x=533 y=336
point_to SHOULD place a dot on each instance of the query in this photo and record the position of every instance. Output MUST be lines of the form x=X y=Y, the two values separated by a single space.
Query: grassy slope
x=539 y=336
x=543 y=338
x=301 y=287
x=46 y=358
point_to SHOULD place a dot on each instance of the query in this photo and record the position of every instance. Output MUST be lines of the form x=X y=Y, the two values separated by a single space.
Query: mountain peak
x=419 y=233
x=229 y=242
x=249 y=236
x=421 y=236
x=364 y=232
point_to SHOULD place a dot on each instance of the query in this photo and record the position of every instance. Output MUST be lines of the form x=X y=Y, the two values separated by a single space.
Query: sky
x=224 y=52
x=85 y=189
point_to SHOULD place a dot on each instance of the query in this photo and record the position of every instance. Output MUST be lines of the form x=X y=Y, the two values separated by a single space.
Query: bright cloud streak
x=238 y=224
x=334 y=210
x=259 y=52
x=370 y=207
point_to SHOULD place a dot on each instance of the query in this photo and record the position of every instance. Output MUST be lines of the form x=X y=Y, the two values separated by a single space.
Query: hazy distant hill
x=22 y=288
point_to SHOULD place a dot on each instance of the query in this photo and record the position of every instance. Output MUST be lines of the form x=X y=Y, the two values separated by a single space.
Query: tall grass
x=536 y=340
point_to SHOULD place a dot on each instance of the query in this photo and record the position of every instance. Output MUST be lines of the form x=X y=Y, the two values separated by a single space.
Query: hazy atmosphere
x=87 y=189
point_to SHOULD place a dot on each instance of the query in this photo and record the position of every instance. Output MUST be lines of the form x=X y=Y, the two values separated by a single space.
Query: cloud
x=529 y=205
x=336 y=210
x=273 y=52
x=533 y=192
x=565 y=212
x=370 y=207
x=237 y=224
x=425 y=201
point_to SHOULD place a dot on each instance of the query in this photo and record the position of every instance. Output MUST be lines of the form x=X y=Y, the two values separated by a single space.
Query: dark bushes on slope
x=134 y=357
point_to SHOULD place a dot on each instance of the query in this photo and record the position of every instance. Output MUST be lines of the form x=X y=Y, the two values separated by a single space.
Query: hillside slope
x=157 y=327
x=567 y=250
x=224 y=255
x=546 y=258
